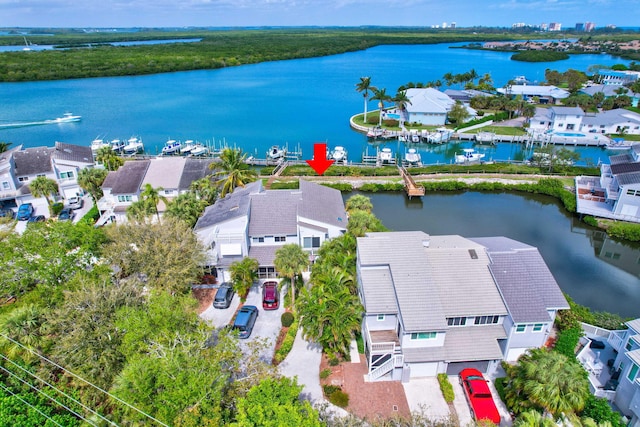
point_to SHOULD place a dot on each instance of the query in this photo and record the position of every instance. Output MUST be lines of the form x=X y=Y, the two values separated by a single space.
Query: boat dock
x=410 y=186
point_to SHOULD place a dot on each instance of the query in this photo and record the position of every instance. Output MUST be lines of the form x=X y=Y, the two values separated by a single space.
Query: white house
x=545 y=94
x=612 y=122
x=429 y=106
x=438 y=304
x=255 y=222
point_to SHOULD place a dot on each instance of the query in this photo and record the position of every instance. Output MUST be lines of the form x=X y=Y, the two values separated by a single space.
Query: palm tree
x=449 y=78
x=364 y=86
x=243 y=274
x=205 y=190
x=151 y=197
x=22 y=325
x=90 y=180
x=107 y=157
x=4 y=146
x=533 y=418
x=401 y=100
x=381 y=96
x=232 y=171
x=359 y=202
x=186 y=207
x=44 y=187
x=290 y=261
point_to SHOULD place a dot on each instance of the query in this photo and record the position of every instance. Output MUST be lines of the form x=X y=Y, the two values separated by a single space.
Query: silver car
x=75 y=202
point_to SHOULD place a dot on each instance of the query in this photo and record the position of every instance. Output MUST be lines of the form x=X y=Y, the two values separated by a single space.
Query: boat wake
x=66 y=118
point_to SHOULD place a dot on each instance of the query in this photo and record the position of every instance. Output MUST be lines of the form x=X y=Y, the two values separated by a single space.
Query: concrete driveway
x=219 y=317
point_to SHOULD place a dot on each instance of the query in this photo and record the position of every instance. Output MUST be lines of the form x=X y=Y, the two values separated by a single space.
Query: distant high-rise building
x=555 y=26
x=589 y=26
x=580 y=26
x=444 y=25
x=518 y=25
x=544 y=27
x=611 y=27
x=453 y=24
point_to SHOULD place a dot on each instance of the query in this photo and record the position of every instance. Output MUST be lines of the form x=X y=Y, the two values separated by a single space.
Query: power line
x=85 y=381
x=29 y=404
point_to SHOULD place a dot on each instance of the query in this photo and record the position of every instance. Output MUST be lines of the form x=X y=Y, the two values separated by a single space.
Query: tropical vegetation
x=232 y=171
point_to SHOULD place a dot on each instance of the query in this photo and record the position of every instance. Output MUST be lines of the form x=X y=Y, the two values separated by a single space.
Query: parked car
x=24 y=212
x=66 y=214
x=245 y=319
x=479 y=396
x=224 y=295
x=270 y=297
x=6 y=213
x=75 y=202
x=37 y=218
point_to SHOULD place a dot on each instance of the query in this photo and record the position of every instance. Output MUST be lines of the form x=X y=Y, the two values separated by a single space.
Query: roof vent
x=425 y=243
x=473 y=254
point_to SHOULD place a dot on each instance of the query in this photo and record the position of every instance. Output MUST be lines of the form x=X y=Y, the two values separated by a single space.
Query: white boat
x=412 y=157
x=469 y=155
x=199 y=149
x=434 y=138
x=275 y=153
x=26 y=45
x=386 y=156
x=187 y=147
x=66 y=118
x=98 y=143
x=117 y=144
x=375 y=133
x=171 y=147
x=339 y=154
x=403 y=137
x=133 y=146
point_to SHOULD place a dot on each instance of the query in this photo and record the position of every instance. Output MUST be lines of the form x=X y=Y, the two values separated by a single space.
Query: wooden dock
x=410 y=186
x=276 y=173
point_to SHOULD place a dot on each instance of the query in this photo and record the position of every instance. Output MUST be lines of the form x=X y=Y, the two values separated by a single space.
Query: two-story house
x=627 y=394
x=120 y=189
x=255 y=222
x=621 y=183
x=429 y=106
x=438 y=304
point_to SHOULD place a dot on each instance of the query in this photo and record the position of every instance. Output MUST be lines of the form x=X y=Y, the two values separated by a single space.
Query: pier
x=410 y=186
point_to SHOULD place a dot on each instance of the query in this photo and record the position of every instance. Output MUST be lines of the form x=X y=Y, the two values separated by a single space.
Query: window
x=456 y=321
x=628 y=346
x=281 y=238
x=632 y=372
x=570 y=126
x=5 y=185
x=521 y=328
x=423 y=335
x=311 y=242
x=23 y=179
x=123 y=199
x=66 y=175
x=486 y=320
x=380 y=317
x=258 y=239
x=537 y=327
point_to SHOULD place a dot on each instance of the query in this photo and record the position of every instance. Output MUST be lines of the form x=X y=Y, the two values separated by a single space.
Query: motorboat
x=469 y=156
x=134 y=145
x=375 y=133
x=199 y=150
x=386 y=156
x=412 y=157
x=339 y=154
x=66 y=118
x=403 y=137
x=117 y=144
x=171 y=147
x=187 y=147
x=275 y=153
x=415 y=137
x=98 y=144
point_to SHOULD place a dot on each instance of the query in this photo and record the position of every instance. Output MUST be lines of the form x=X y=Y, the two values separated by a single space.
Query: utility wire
x=85 y=381
x=46 y=395
x=29 y=404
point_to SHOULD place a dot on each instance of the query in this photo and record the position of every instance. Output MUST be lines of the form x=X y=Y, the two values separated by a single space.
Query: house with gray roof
x=438 y=304
x=611 y=91
x=627 y=363
x=545 y=94
x=120 y=189
x=60 y=163
x=614 y=121
x=429 y=106
x=557 y=119
x=255 y=222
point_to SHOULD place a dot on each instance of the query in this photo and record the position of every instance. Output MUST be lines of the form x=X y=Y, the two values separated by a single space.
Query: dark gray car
x=223 y=296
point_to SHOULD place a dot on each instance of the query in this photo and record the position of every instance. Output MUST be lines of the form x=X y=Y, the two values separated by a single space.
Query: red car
x=479 y=396
x=270 y=297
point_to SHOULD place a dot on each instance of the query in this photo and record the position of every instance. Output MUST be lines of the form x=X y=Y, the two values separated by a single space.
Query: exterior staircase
x=276 y=173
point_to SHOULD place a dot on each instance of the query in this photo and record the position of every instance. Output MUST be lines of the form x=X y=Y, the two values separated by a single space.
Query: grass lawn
x=626 y=137
x=500 y=130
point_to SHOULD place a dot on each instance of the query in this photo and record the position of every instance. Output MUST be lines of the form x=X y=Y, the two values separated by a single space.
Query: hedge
x=287 y=343
x=567 y=342
x=446 y=388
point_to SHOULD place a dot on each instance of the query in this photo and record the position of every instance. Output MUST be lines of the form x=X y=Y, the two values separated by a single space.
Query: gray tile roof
x=323 y=204
x=527 y=286
x=620 y=168
x=231 y=206
x=634 y=356
x=567 y=111
x=379 y=295
x=628 y=178
x=634 y=324
x=620 y=159
x=619 y=116
x=274 y=213
x=264 y=254
x=73 y=153
x=608 y=90
x=128 y=178
x=32 y=161
x=165 y=172
x=467 y=344
x=194 y=169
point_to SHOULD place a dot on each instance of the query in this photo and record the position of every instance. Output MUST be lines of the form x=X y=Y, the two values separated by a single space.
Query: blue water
x=570 y=134
x=296 y=102
x=132 y=43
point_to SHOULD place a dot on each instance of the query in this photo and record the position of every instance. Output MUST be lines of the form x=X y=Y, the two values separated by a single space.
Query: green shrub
x=568 y=341
x=339 y=398
x=500 y=383
x=56 y=208
x=626 y=231
x=287 y=344
x=333 y=361
x=589 y=220
x=598 y=410
x=446 y=388
x=329 y=389
x=340 y=186
x=373 y=119
x=324 y=374
x=91 y=216
x=287 y=319
x=360 y=343
x=392 y=123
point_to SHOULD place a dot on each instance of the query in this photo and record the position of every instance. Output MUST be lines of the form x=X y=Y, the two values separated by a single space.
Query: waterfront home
x=438 y=304
x=617 y=77
x=121 y=188
x=611 y=91
x=616 y=193
x=612 y=359
x=60 y=163
x=557 y=119
x=545 y=94
x=612 y=122
x=429 y=106
x=255 y=222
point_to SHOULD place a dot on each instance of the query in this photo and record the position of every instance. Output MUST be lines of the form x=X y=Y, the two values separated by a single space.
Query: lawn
x=500 y=130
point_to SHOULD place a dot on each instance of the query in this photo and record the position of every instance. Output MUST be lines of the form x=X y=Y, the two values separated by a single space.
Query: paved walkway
x=303 y=361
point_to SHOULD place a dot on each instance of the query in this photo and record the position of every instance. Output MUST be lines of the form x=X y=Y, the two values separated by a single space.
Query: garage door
x=455 y=368
x=419 y=370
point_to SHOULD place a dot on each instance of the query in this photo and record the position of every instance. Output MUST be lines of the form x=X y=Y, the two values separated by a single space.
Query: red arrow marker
x=319 y=163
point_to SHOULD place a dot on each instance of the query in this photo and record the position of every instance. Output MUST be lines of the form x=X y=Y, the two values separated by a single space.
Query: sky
x=224 y=13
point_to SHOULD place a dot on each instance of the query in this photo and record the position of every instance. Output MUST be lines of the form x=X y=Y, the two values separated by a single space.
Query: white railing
x=614 y=338
x=395 y=362
x=595 y=330
x=382 y=347
x=229 y=237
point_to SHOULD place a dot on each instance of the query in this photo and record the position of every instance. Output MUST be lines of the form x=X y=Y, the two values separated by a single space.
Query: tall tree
x=458 y=113
x=364 y=87
x=151 y=197
x=186 y=207
x=402 y=100
x=90 y=180
x=109 y=158
x=243 y=274
x=232 y=171
x=290 y=261
x=359 y=202
x=205 y=190
x=381 y=96
x=44 y=187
